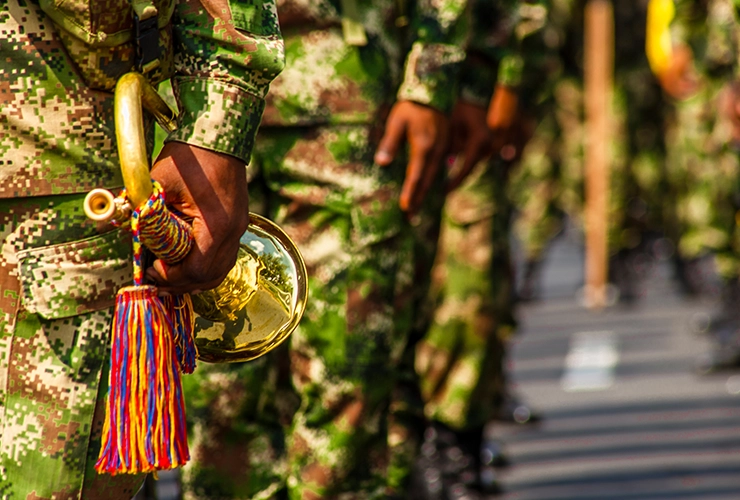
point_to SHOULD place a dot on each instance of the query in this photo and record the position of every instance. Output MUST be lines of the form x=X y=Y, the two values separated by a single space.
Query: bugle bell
x=262 y=299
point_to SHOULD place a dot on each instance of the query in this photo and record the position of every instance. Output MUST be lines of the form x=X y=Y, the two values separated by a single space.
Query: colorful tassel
x=144 y=427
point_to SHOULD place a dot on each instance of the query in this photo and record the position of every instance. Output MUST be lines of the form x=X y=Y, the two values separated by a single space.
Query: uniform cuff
x=216 y=115
x=510 y=71
x=430 y=76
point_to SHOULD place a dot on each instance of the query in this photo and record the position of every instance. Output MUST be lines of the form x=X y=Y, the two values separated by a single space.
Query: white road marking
x=591 y=362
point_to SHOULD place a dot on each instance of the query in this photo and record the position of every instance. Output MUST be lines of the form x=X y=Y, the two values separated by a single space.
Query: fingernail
x=164 y=294
x=382 y=158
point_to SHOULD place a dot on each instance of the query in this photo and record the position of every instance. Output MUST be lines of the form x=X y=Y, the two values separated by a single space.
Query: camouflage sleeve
x=433 y=63
x=529 y=21
x=226 y=55
x=487 y=46
x=495 y=46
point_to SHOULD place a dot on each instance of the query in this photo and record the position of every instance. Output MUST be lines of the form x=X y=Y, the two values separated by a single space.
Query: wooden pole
x=598 y=68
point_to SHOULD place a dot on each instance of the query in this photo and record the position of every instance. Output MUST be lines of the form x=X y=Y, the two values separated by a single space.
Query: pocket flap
x=68 y=279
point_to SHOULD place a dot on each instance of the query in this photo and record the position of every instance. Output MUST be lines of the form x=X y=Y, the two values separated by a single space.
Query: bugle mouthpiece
x=100 y=205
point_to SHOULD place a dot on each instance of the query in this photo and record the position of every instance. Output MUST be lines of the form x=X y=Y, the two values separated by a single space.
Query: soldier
x=312 y=420
x=537 y=185
x=460 y=360
x=58 y=271
x=696 y=75
x=637 y=181
x=637 y=150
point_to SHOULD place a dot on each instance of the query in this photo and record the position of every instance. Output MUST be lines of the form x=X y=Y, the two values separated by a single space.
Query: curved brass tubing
x=134 y=93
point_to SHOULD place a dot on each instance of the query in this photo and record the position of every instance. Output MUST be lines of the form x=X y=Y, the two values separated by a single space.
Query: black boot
x=725 y=352
x=623 y=275
x=449 y=466
x=530 y=289
x=727 y=317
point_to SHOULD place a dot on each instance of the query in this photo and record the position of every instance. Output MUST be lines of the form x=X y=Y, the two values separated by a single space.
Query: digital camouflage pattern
x=329 y=80
x=320 y=418
x=313 y=415
x=56 y=121
x=59 y=280
x=59 y=272
x=703 y=167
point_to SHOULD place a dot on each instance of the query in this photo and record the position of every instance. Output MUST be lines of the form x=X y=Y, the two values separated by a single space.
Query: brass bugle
x=262 y=299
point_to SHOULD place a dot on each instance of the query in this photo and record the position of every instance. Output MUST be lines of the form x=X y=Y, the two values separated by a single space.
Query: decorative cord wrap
x=162 y=232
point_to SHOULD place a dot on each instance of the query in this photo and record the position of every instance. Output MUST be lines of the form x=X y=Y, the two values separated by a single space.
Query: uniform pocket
x=64 y=280
x=253 y=17
x=99 y=38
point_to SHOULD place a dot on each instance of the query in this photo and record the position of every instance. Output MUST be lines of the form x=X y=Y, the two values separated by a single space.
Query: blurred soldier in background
x=312 y=420
x=461 y=359
x=695 y=72
x=637 y=154
x=538 y=187
x=556 y=154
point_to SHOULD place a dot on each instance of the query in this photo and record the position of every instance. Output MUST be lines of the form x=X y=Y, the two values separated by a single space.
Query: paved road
x=625 y=416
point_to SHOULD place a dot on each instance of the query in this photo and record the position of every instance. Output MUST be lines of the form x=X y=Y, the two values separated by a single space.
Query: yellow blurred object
x=262 y=299
x=658 y=42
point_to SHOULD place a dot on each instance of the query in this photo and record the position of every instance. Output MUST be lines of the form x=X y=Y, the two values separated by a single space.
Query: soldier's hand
x=471 y=139
x=679 y=80
x=426 y=131
x=210 y=189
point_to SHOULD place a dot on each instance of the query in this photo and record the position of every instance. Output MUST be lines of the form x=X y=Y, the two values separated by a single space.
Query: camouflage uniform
x=538 y=183
x=637 y=150
x=704 y=169
x=311 y=420
x=58 y=271
x=460 y=360
x=702 y=164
